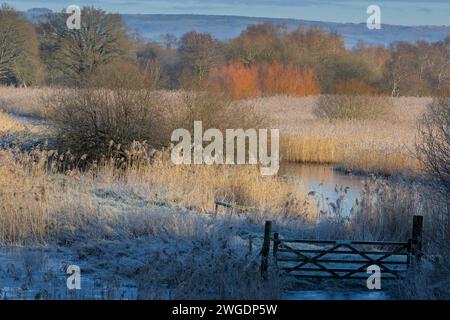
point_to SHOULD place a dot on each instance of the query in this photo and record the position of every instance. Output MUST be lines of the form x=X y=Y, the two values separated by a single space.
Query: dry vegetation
x=382 y=146
x=356 y=145
x=353 y=106
x=43 y=192
x=48 y=196
x=103 y=189
x=25 y=101
x=379 y=146
x=8 y=124
x=44 y=202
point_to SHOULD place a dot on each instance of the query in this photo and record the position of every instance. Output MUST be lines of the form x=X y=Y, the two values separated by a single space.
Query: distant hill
x=34 y=14
x=153 y=26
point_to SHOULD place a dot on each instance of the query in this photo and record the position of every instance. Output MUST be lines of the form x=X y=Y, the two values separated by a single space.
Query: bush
x=346 y=106
x=118 y=106
x=217 y=111
x=239 y=81
x=115 y=107
x=433 y=146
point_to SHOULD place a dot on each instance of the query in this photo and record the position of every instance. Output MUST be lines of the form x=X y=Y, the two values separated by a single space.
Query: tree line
x=265 y=59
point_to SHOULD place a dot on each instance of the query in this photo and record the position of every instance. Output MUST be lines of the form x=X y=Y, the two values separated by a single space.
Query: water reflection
x=335 y=192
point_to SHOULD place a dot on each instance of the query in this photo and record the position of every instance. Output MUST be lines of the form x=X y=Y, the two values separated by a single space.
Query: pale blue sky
x=403 y=12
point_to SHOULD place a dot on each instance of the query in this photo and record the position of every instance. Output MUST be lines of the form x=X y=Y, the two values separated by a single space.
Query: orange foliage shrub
x=236 y=80
x=355 y=87
x=239 y=81
x=279 y=79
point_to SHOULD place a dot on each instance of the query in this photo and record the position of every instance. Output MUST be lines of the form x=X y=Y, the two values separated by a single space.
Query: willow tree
x=19 y=58
x=71 y=55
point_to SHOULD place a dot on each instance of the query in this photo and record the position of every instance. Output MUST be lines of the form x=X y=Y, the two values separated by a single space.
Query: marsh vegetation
x=85 y=163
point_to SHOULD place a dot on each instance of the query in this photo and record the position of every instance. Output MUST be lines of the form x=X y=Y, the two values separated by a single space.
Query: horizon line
x=254 y=17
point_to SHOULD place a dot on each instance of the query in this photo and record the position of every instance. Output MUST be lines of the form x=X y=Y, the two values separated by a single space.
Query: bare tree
x=198 y=53
x=433 y=149
x=439 y=65
x=76 y=54
x=433 y=146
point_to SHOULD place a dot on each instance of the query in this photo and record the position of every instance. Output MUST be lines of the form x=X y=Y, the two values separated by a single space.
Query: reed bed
x=371 y=146
x=26 y=209
x=351 y=155
x=45 y=196
x=197 y=187
x=383 y=161
x=25 y=101
x=309 y=149
x=42 y=194
x=37 y=202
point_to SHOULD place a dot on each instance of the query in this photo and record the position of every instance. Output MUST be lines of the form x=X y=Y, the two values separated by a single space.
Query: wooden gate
x=339 y=259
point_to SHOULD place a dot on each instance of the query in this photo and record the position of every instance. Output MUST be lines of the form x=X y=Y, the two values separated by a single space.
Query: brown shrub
x=115 y=107
x=217 y=111
x=119 y=106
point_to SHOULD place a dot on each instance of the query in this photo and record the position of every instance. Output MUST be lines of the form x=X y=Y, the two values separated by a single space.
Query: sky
x=399 y=12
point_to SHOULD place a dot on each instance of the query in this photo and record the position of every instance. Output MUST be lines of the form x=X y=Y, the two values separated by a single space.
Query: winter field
x=146 y=228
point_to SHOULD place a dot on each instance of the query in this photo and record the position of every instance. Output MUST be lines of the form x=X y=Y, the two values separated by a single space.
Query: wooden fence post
x=266 y=249
x=417 y=234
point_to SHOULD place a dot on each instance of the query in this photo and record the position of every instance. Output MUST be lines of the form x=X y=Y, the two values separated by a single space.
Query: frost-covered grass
x=128 y=242
x=133 y=232
x=163 y=251
x=161 y=254
x=147 y=230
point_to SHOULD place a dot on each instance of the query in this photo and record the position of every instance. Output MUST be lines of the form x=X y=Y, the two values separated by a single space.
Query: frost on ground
x=130 y=244
x=149 y=250
x=159 y=252
x=173 y=254
x=23 y=132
